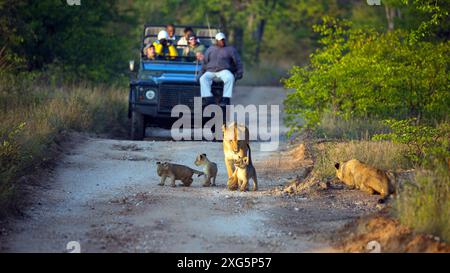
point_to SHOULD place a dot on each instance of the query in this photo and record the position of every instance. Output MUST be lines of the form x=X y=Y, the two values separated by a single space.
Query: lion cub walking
x=245 y=171
x=175 y=172
x=210 y=169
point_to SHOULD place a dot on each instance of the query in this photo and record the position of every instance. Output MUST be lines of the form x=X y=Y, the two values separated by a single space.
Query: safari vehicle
x=160 y=84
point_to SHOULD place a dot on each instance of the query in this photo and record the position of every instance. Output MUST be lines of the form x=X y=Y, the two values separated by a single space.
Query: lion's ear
x=203 y=155
x=224 y=127
x=336 y=165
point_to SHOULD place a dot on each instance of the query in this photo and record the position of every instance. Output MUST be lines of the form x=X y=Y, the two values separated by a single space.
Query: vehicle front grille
x=171 y=95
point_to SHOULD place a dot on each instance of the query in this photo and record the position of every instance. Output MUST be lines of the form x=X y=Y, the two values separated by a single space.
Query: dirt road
x=104 y=195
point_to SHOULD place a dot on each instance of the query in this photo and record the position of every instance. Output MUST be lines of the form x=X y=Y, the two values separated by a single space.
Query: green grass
x=331 y=127
x=35 y=115
x=427 y=208
x=383 y=155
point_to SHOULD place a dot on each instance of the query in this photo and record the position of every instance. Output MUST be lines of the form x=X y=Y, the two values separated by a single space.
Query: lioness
x=366 y=178
x=235 y=146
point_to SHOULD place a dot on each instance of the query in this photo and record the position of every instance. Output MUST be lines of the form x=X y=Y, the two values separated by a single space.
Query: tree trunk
x=258 y=37
x=390 y=15
x=238 y=38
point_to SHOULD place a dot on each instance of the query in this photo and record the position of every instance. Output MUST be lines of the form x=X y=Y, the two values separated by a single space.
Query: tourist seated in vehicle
x=184 y=40
x=164 y=46
x=170 y=28
x=193 y=47
x=149 y=52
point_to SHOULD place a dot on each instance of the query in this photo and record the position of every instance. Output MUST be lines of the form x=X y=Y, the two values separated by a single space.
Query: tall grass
x=427 y=208
x=332 y=127
x=383 y=155
x=35 y=115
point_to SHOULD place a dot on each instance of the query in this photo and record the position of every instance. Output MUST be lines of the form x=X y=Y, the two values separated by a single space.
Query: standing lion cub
x=364 y=177
x=245 y=171
x=210 y=169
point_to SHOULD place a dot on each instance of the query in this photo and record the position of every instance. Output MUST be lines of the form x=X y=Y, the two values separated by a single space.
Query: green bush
x=425 y=144
x=369 y=75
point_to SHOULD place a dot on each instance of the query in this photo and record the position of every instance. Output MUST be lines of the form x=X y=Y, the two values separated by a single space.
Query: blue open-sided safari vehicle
x=161 y=84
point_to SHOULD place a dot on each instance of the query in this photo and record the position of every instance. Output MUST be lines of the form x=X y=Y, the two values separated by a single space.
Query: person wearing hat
x=150 y=52
x=163 y=46
x=193 y=46
x=223 y=62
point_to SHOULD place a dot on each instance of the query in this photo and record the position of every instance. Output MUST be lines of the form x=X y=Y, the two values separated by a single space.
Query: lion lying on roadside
x=364 y=177
x=235 y=146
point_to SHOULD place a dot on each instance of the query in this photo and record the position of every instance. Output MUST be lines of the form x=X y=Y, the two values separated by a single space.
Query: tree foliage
x=426 y=144
x=85 y=41
x=94 y=40
x=360 y=73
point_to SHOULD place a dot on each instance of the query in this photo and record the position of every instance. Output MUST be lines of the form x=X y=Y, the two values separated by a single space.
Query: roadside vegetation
x=36 y=116
x=382 y=97
x=372 y=80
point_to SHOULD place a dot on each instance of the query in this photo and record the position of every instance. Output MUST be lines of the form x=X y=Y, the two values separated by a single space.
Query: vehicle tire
x=137 y=126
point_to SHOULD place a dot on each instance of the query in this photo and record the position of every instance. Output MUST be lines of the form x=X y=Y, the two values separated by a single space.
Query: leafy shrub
x=424 y=143
x=366 y=74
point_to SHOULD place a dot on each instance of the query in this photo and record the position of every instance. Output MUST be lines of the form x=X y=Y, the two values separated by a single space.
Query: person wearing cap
x=223 y=62
x=150 y=52
x=193 y=46
x=163 y=46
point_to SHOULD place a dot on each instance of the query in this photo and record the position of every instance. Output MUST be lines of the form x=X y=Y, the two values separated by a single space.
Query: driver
x=221 y=61
x=163 y=46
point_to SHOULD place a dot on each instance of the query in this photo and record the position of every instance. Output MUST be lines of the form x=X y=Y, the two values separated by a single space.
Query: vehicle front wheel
x=137 y=126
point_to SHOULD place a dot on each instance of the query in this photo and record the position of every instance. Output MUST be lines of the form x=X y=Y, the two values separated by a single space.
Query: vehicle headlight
x=150 y=94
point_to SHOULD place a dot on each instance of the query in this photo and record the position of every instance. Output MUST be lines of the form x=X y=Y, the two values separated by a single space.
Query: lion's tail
x=198 y=172
x=249 y=154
